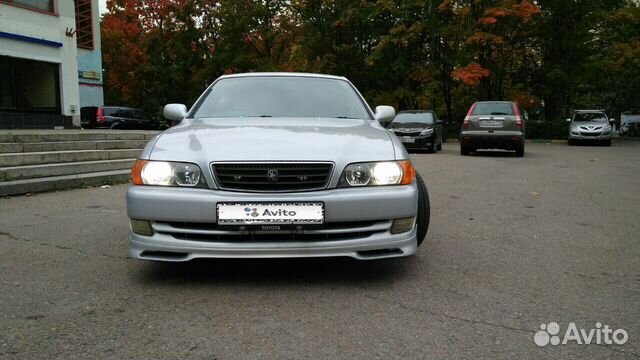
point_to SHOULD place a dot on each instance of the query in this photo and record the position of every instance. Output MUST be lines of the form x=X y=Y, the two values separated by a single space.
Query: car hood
x=410 y=127
x=274 y=139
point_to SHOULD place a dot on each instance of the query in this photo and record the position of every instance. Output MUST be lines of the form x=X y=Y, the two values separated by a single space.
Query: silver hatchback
x=276 y=165
x=590 y=125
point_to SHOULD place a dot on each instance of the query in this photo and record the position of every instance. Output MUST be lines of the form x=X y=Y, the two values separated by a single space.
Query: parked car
x=418 y=129
x=118 y=117
x=629 y=125
x=276 y=165
x=590 y=125
x=493 y=125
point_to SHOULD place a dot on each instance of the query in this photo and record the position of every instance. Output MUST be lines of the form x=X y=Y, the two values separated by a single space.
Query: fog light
x=142 y=227
x=402 y=225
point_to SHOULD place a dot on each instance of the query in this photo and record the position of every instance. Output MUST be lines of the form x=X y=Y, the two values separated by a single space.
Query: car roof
x=286 y=74
x=595 y=110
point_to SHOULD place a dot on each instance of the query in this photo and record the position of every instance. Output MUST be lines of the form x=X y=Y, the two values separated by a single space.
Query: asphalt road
x=513 y=243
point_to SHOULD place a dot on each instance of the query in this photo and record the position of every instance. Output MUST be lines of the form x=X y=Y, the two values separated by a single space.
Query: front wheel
x=464 y=150
x=440 y=144
x=520 y=151
x=424 y=210
x=607 y=142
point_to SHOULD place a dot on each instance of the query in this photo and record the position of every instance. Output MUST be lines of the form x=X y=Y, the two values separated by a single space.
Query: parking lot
x=513 y=243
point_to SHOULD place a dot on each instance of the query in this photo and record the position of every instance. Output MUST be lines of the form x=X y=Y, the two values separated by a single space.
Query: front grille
x=416 y=133
x=272 y=177
x=212 y=232
x=590 y=133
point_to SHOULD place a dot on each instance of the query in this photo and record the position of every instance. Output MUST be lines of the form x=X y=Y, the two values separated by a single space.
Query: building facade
x=50 y=62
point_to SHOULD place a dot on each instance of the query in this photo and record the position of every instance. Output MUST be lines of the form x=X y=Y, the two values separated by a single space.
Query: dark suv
x=418 y=129
x=493 y=125
x=117 y=117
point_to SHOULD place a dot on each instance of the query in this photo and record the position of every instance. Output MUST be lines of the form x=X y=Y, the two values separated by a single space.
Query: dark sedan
x=418 y=129
x=118 y=117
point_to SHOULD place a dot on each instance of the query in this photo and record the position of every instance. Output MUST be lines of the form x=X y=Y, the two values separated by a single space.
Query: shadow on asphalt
x=275 y=271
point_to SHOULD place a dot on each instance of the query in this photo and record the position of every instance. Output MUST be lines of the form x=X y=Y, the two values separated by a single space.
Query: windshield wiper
x=344 y=117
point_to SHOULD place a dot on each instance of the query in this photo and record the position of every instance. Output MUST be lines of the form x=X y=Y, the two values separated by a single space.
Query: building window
x=42 y=5
x=84 y=24
x=27 y=85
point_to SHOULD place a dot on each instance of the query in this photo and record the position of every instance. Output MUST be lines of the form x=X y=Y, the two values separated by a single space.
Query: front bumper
x=184 y=224
x=509 y=140
x=589 y=136
x=419 y=142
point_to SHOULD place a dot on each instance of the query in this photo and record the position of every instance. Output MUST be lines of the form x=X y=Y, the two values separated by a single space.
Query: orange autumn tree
x=502 y=49
x=155 y=51
x=161 y=51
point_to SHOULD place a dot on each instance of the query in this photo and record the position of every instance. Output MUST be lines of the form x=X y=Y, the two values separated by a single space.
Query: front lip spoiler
x=169 y=249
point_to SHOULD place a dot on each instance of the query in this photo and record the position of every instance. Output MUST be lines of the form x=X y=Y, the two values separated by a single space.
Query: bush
x=451 y=131
x=542 y=129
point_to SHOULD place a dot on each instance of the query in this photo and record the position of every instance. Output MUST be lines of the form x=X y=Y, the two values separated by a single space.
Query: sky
x=103 y=6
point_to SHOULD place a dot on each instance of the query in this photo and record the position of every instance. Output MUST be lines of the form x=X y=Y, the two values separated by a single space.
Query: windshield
x=419 y=119
x=587 y=117
x=493 y=109
x=282 y=96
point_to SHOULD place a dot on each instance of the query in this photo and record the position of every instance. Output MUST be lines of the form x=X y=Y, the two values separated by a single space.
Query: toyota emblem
x=272 y=176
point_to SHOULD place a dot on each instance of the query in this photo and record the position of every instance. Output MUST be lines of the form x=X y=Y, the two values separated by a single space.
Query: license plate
x=491 y=123
x=407 y=139
x=270 y=213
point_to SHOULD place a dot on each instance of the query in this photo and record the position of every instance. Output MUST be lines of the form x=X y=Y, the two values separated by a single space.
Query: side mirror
x=568 y=120
x=385 y=114
x=612 y=121
x=439 y=122
x=175 y=112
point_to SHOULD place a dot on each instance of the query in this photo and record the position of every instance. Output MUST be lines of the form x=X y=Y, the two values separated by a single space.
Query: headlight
x=165 y=173
x=377 y=173
x=427 y=132
x=157 y=173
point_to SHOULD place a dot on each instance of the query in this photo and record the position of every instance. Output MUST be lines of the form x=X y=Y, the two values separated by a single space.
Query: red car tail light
x=465 y=123
x=518 y=117
x=99 y=116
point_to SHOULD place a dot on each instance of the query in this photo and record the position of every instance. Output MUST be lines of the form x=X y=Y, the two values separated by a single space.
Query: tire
x=424 y=210
x=607 y=142
x=464 y=150
x=520 y=151
x=115 y=126
x=440 y=144
x=571 y=142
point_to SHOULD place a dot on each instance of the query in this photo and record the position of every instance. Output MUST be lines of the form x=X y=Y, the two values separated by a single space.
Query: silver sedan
x=276 y=165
